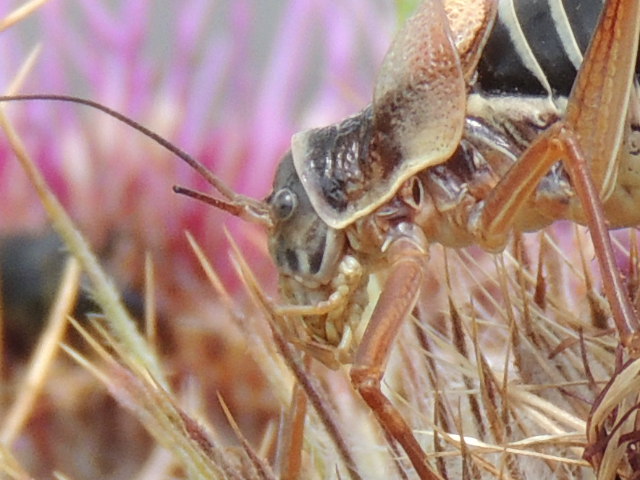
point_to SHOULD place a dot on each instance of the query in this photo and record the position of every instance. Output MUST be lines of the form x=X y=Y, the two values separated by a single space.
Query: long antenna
x=236 y=204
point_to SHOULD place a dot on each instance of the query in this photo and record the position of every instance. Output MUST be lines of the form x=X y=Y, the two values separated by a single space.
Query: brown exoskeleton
x=431 y=160
x=435 y=160
x=428 y=162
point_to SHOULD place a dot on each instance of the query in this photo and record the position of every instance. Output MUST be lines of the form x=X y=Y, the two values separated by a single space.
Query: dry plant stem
x=211 y=274
x=633 y=276
x=43 y=355
x=396 y=454
x=10 y=466
x=440 y=410
x=2 y=342
x=150 y=313
x=599 y=312
x=314 y=393
x=320 y=404
x=291 y=447
x=158 y=464
x=605 y=448
x=20 y=13
x=104 y=291
x=156 y=410
x=263 y=470
x=291 y=432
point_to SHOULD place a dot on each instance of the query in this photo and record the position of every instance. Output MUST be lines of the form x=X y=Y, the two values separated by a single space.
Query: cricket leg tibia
x=624 y=316
x=587 y=141
x=501 y=207
x=407 y=257
x=591 y=137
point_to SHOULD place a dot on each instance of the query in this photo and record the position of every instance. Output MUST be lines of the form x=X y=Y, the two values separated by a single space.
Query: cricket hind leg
x=587 y=141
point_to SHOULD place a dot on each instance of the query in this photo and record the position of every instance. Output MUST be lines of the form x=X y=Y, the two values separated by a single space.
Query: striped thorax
x=356 y=184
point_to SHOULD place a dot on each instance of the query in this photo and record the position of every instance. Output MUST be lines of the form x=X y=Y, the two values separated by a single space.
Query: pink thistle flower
x=229 y=82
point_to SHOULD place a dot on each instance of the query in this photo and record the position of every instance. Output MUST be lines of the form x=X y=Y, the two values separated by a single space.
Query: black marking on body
x=583 y=16
x=315 y=258
x=546 y=44
x=292 y=259
x=339 y=160
x=502 y=70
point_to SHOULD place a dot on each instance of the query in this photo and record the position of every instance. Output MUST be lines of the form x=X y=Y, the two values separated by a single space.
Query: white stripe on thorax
x=507 y=13
x=565 y=32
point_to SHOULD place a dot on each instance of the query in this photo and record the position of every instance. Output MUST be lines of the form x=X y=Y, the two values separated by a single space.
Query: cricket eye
x=284 y=203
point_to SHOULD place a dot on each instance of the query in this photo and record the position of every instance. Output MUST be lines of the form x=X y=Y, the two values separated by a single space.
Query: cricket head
x=321 y=282
x=317 y=272
x=335 y=175
x=302 y=245
x=304 y=248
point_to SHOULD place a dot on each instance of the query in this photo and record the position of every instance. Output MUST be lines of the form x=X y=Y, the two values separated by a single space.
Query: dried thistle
x=506 y=371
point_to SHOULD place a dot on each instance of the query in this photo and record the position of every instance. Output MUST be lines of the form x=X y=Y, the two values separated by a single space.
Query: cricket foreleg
x=408 y=259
